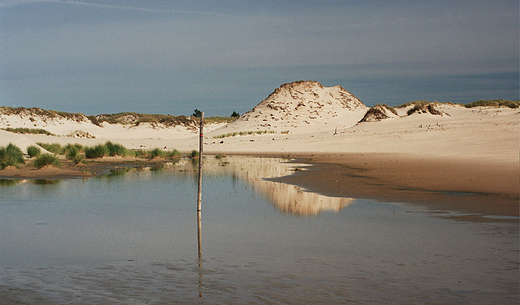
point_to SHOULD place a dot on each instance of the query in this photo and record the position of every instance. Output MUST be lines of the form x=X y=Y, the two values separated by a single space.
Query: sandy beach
x=454 y=150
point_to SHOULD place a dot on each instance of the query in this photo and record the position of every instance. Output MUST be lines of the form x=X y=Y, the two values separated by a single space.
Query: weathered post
x=199 y=196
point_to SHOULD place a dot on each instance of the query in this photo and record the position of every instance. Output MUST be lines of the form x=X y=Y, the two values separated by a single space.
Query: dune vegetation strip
x=55 y=155
x=494 y=103
x=75 y=152
x=243 y=133
x=28 y=131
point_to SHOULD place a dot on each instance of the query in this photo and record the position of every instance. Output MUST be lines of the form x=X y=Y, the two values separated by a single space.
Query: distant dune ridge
x=298 y=117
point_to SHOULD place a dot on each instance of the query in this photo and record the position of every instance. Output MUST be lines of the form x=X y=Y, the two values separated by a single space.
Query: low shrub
x=46 y=159
x=10 y=155
x=194 y=154
x=33 y=151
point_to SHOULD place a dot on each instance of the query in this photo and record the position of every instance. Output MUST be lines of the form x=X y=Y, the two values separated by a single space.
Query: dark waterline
x=132 y=239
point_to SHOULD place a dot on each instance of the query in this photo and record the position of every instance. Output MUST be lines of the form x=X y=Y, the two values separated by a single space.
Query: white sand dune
x=306 y=118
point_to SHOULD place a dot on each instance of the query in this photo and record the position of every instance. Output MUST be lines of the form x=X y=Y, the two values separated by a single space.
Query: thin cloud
x=8 y=3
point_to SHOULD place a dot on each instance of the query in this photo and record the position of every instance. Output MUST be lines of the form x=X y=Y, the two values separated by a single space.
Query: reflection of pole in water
x=199 y=198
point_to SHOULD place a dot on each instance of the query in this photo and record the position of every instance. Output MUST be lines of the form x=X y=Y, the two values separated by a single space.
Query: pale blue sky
x=100 y=56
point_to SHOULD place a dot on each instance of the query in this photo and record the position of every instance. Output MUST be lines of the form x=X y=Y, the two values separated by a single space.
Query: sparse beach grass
x=494 y=103
x=10 y=155
x=55 y=148
x=28 y=131
x=98 y=151
x=244 y=133
x=46 y=159
x=33 y=151
x=156 y=152
x=74 y=154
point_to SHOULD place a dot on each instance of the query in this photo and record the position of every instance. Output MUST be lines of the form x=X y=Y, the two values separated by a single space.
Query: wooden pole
x=199 y=196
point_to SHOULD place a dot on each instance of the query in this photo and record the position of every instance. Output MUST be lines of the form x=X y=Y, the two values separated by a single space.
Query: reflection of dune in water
x=288 y=198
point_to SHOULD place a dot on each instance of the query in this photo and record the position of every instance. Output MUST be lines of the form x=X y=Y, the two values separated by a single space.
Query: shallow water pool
x=132 y=239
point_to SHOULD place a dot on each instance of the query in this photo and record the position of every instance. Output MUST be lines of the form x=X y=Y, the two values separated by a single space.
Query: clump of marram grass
x=173 y=154
x=156 y=152
x=98 y=151
x=10 y=155
x=73 y=154
x=33 y=151
x=115 y=149
x=46 y=159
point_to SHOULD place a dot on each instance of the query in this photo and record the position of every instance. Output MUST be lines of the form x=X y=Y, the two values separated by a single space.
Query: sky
x=172 y=57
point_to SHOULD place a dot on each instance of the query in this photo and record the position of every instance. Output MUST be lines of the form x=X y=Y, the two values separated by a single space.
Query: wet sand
x=476 y=187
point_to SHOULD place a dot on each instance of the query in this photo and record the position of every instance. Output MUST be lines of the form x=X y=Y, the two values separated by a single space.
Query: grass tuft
x=173 y=154
x=46 y=159
x=10 y=155
x=33 y=151
x=98 y=151
x=156 y=152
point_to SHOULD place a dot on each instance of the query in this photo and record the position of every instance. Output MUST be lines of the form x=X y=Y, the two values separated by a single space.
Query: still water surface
x=132 y=239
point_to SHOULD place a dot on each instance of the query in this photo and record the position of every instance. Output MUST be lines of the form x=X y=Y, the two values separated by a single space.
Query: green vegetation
x=194 y=154
x=46 y=159
x=235 y=114
x=98 y=151
x=493 y=103
x=78 y=117
x=414 y=103
x=116 y=149
x=173 y=154
x=392 y=109
x=137 y=118
x=243 y=133
x=33 y=151
x=10 y=155
x=156 y=152
x=197 y=113
x=28 y=131
x=219 y=119
x=480 y=103
x=94 y=120
x=53 y=148
x=73 y=153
